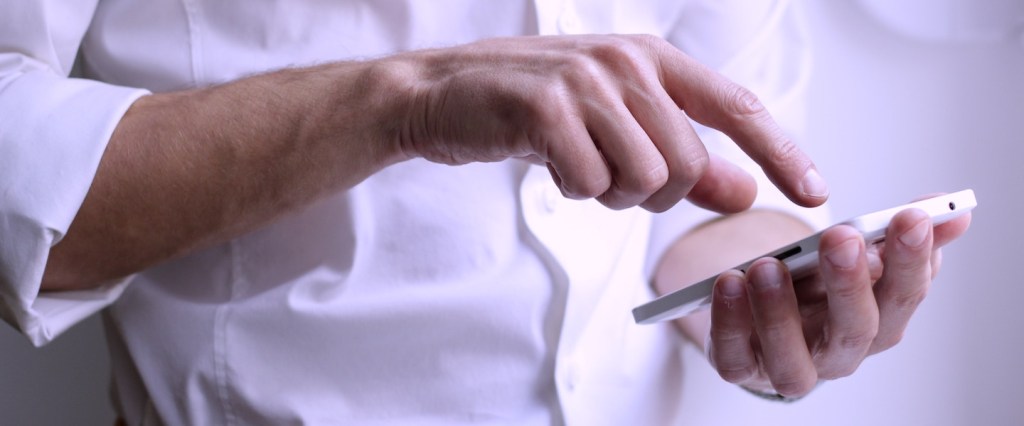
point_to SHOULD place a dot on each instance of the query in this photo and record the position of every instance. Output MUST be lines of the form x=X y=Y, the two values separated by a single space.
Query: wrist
x=393 y=91
x=369 y=104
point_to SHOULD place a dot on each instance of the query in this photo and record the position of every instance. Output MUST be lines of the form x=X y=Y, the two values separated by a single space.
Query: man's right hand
x=607 y=114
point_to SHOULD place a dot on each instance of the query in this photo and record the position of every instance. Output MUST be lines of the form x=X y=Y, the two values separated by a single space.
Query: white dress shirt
x=427 y=294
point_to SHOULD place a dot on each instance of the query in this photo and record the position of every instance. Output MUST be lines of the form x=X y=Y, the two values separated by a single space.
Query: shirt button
x=550 y=198
x=571 y=377
x=569 y=23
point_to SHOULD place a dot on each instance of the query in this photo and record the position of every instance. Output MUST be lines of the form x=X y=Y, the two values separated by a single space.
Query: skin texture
x=770 y=334
x=607 y=114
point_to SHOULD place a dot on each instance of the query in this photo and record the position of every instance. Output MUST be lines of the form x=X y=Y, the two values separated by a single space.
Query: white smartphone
x=801 y=257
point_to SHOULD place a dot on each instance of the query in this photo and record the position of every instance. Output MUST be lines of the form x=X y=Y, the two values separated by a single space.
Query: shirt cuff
x=46 y=315
x=53 y=132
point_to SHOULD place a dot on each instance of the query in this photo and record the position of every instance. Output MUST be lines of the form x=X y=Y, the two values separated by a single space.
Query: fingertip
x=936 y=262
x=836 y=235
x=814 y=189
x=962 y=222
x=949 y=231
x=909 y=217
x=766 y=274
x=795 y=175
x=725 y=188
x=845 y=255
x=946 y=232
x=875 y=265
x=730 y=284
x=912 y=228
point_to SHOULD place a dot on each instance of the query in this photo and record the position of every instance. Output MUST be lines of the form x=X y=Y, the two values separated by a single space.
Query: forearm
x=717 y=246
x=189 y=169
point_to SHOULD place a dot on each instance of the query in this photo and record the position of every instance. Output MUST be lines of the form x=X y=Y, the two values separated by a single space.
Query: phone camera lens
x=952 y=205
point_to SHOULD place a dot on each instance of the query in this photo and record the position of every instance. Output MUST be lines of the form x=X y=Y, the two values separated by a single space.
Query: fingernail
x=731 y=285
x=915 y=236
x=814 y=185
x=844 y=256
x=766 y=275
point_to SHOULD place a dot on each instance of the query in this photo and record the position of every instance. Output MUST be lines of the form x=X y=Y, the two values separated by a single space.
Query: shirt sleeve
x=762 y=46
x=53 y=132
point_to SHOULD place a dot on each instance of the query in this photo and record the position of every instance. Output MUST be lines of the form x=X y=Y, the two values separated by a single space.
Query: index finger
x=715 y=101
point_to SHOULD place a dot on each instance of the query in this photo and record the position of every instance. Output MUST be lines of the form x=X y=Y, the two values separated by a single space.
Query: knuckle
x=785 y=152
x=857 y=339
x=615 y=200
x=622 y=55
x=910 y=301
x=650 y=40
x=581 y=72
x=551 y=105
x=838 y=372
x=740 y=101
x=692 y=169
x=660 y=205
x=586 y=188
x=612 y=48
x=884 y=343
x=651 y=179
x=911 y=259
x=640 y=181
x=550 y=94
x=847 y=290
x=792 y=385
x=737 y=375
x=728 y=336
x=775 y=330
x=652 y=44
x=591 y=189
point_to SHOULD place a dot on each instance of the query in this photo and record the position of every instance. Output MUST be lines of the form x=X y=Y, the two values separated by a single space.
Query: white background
x=893 y=116
x=908 y=98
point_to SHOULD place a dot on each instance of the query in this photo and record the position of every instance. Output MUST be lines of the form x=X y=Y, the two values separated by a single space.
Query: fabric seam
x=220 y=363
x=220 y=344
x=192 y=18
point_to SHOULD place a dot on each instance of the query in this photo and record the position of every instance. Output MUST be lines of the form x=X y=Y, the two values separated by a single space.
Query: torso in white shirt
x=428 y=294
